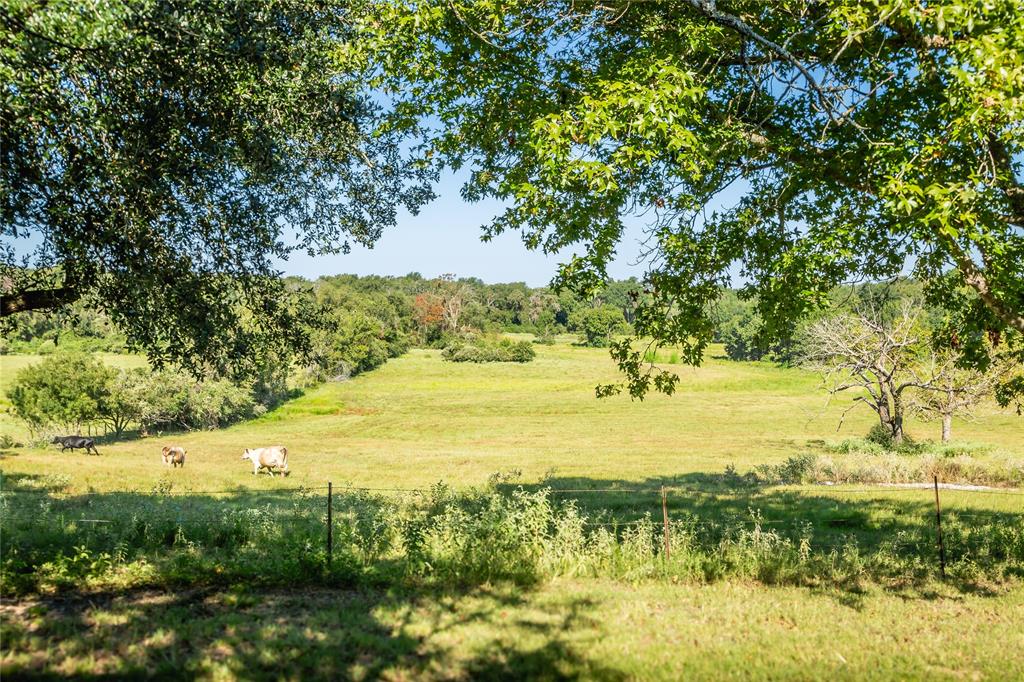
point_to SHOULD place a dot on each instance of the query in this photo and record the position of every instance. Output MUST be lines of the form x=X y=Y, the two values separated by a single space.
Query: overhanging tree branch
x=708 y=9
x=38 y=299
x=976 y=278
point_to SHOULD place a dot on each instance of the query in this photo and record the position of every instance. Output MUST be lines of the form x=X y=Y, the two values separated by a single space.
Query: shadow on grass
x=310 y=634
x=273 y=539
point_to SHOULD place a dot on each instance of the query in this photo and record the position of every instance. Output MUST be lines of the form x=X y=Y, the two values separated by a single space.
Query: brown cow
x=174 y=456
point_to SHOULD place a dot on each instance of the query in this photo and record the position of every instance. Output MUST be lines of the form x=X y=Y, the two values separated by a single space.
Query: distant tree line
x=366 y=320
x=741 y=331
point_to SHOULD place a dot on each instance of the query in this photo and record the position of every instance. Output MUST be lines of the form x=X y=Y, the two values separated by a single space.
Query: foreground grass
x=122 y=567
x=457 y=538
x=568 y=629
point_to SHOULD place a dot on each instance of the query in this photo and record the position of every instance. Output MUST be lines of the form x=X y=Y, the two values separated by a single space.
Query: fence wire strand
x=896 y=488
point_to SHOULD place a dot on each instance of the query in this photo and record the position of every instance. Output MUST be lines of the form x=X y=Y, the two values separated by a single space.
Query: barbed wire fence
x=662 y=497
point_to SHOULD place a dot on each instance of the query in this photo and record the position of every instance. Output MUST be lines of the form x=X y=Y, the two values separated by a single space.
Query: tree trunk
x=891 y=418
x=897 y=431
x=897 y=420
x=947 y=427
x=884 y=416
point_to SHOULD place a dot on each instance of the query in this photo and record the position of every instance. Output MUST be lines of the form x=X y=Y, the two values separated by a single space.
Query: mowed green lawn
x=419 y=420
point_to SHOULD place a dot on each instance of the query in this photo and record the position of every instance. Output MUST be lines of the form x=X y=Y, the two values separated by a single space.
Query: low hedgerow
x=488 y=350
x=454 y=538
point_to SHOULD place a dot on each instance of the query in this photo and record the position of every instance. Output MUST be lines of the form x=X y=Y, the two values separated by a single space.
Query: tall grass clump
x=862 y=461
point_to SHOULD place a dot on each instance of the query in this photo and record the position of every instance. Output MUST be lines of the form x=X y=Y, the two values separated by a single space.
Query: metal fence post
x=330 y=524
x=938 y=528
x=664 y=514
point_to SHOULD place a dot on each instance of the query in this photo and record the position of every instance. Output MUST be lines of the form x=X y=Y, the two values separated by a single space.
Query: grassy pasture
x=417 y=421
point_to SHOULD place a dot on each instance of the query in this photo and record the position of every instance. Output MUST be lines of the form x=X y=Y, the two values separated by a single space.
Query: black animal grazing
x=75 y=442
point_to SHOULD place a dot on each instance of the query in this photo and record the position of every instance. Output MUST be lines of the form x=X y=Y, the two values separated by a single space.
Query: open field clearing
x=418 y=420
x=315 y=467
x=120 y=566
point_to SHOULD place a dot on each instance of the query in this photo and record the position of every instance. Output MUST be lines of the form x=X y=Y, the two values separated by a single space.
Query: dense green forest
x=366 y=320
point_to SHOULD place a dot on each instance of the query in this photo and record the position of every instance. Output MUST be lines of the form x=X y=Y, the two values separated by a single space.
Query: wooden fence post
x=330 y=524
x=664 y=514
x=938 y=527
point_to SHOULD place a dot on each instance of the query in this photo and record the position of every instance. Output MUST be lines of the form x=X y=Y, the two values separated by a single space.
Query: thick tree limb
x=976 y=278
x=38 y=299
x=1006 y=179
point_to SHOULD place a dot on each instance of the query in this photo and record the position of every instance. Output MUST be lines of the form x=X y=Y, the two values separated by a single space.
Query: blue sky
x=445 y=238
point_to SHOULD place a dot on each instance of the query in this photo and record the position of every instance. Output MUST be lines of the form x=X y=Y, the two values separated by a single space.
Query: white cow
x=274 y=457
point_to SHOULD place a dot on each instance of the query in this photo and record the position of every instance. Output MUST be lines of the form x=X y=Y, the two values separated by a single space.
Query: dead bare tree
x=957 y=391
x=874 y=352
x=453 y=295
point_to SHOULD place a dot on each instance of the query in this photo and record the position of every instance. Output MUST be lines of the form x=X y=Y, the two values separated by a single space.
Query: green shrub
x=545 y=338
x=170 y=400
x=874 y=465
x=69 y=390
x=488 y=350
x=66 y=389
x=882 y=436
x=879 y=435
x=799 y=469
x=597 y=326
x=739 y=332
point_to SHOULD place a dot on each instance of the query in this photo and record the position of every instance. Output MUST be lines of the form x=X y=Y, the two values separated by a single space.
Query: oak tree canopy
x=158 y=158
x=865 y=140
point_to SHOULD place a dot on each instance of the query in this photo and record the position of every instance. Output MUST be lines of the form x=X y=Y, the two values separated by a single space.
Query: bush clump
x=485 y=350
x=72 y=390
